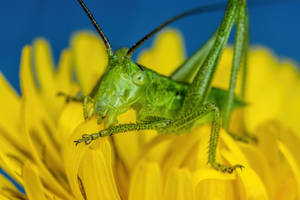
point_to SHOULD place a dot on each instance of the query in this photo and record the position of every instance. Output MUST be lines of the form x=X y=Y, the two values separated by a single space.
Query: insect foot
x=226 y=169
x=87 y=139
x=252 y=138
x=69 y=98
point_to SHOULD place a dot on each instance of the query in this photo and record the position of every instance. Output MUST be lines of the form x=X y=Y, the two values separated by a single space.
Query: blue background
x=275 y=25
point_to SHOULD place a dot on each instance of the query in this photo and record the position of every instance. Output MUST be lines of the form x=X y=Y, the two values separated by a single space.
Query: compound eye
x=139 y=78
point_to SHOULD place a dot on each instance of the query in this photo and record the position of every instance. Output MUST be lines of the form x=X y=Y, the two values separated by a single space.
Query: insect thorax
x=163 y=98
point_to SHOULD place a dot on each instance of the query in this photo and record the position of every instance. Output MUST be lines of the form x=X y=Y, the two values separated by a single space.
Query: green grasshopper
x=171 y=104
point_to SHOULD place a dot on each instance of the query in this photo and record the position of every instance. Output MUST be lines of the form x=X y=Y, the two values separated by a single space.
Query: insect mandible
x=171 y=104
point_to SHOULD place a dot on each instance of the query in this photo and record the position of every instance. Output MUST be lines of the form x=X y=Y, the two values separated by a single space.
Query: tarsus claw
x=231 y=169
x=226 y=169
x=67 y=97
x=87 y=139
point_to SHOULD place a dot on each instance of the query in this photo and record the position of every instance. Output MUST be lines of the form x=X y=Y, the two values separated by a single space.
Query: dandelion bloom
x=37 y=130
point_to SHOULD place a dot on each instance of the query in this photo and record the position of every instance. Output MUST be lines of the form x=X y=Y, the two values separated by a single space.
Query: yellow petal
x=289 y=76
x=270 y=133
x=97 y=176
x=216 y=189
x=212 y=184
x=128 y=145
x=222 y=75
x=293 y=164
x=251 y=183
x=181 y=148
x=289 y=139
x=64 y=72
x=258 y=162
x=63 y=81
x=234 y=148
x=90 y=59
x=43 y=63
x=209 y=183
x=36 y=120
x=166 y=54
x=146 y=182
x=4 y=197
x=12 y=162
x=10 y=106
x=223 y=72
x=179 y=185
x=202 y=174
x=262 y=87
x=155 y=149
x=48 y=162
x=33 y=185
x=253 y=186
x=36 y=116
x=136 y=145
x=44 y=66
x=72 y=155
x=38 y=125
x=26 y=76
x=69 y=119
x=10 y=115
x=197 y=157
x=267 y=136
x=291 y=108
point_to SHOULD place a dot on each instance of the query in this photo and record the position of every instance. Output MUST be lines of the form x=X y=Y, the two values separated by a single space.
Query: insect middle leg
x=187 y=119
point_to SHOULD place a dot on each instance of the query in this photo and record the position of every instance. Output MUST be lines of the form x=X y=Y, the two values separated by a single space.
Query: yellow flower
x=37 y=131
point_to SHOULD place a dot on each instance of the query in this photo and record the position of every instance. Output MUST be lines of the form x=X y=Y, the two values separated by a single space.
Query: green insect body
x=171 y=104
x=128 y=85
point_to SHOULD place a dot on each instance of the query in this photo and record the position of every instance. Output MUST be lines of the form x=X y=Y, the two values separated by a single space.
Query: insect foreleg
x=173 y=126
x=162 y=125
x=122 y=128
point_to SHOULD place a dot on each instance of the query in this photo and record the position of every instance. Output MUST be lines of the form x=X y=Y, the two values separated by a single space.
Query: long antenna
x=199 y=10
x=99 y=30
